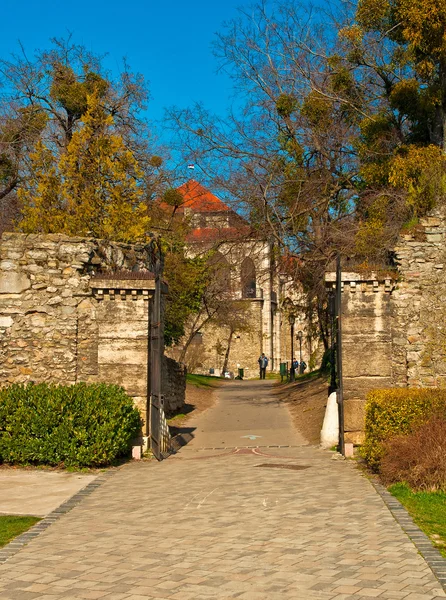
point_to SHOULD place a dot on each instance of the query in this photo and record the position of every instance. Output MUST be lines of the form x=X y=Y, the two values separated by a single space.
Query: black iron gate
x=336 y=381
x=158 y=427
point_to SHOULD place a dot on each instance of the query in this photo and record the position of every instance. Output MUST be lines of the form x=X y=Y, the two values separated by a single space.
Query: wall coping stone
x=98 y=283
x=354 y=276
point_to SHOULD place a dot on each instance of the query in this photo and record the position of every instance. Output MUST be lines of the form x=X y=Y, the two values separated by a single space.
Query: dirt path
x=199 y=398
x=306 y=401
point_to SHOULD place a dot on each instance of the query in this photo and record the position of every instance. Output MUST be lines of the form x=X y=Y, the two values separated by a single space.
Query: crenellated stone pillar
x=367 y=314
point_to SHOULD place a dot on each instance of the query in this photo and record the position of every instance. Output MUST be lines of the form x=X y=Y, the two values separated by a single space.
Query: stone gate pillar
x=122 y=329
x=367 y=342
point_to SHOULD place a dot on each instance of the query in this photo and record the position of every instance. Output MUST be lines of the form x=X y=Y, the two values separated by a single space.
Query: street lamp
x=291 y=320
x=300 y=335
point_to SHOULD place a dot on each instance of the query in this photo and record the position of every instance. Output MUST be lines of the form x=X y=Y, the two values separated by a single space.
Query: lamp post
x=300 y=335
x=291 y=320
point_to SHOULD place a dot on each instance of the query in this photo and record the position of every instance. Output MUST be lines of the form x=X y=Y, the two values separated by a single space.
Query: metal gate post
x=155 y=366
x=159 y=429
x=340 y=390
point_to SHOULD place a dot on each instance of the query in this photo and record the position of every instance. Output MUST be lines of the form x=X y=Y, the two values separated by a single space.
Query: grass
x=428 y=510
x=305 y=377
x=310 y=375
x=272 y=375
x=202 y=381
x=11 y=527
x=178 y=416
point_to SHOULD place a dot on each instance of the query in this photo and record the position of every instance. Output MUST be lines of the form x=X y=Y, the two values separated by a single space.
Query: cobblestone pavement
x=222 y=524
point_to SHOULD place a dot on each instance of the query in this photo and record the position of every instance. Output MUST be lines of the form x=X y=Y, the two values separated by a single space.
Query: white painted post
x=330 y=426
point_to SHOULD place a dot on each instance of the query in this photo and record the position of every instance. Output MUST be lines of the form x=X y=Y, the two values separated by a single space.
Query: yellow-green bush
x=396 y=412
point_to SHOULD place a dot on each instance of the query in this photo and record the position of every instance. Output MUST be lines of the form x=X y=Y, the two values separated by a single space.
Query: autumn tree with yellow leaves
x=93 y=189
x=45 y=98
x=395 y=52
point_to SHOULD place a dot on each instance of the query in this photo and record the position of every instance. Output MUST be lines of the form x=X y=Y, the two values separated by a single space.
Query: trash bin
x=241 y=373
x=283 y=370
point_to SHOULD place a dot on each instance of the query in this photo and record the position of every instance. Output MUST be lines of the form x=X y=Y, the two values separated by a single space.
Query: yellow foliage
x=45 y=212
x=371 y=231
x=71 y=93
x=424 y=25
x=421 y=172
x=94 y=189
x=369 y=236
x=403 y=93
x=353 y=34
x=392 y=412
x=317 y=109
x=286 y=105
x=372 y=14
x=375 y=174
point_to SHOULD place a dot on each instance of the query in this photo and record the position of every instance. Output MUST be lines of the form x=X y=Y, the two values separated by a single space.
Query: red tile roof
x=200 y=199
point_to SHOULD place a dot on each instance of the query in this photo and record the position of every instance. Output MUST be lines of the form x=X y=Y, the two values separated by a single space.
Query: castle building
x=252 y=284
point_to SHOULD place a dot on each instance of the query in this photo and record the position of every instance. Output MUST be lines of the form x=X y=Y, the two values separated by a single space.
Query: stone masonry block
x=354 y=414
x=123 y=352
x=354 y=437
x=12 y=282
x=348 y=450
x=133 y=378
x=366 y=358
x=358 y=387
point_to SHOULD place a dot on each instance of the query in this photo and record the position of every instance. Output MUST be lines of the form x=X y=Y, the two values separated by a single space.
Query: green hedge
x=81 y=425
x=395 y=412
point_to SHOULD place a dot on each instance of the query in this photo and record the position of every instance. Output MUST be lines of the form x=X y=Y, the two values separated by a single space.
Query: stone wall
x=207 y=350
x=419 y=300
x=394 y=325
x=174 y=385
x=64 y=318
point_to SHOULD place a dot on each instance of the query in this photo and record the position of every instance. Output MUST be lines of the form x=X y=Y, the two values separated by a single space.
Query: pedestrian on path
x=263 y=363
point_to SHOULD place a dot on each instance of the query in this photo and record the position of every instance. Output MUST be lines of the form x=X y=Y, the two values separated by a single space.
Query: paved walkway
x=217 y=524
x=37 y=492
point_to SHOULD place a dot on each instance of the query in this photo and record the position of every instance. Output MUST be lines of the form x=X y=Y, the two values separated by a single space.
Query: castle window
x=248 y=278
x=222 y=274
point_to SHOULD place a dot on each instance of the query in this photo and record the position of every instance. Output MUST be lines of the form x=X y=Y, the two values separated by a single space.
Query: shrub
x=80 y=425
x=419 y=458
x=396 y=412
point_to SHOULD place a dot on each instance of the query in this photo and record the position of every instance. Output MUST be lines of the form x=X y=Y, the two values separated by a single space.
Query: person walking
x=263 y=363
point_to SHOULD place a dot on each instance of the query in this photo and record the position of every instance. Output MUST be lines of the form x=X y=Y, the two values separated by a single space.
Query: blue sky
x=168 y=41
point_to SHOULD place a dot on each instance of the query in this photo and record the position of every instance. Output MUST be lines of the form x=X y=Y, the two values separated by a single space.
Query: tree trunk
x=191 y=335
x=182 y=356
x=228 y=349
x=440 y=112
x=12 y=184
x=196 y=328
x=322 y=319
